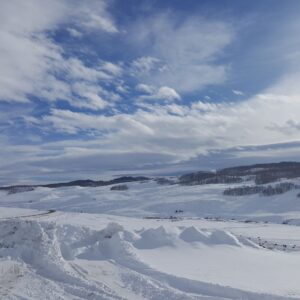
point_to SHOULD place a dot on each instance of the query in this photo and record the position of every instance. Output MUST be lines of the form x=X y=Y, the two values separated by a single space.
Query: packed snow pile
x=152 y=241
x=216 y=237
x=114 y=262
x=47 y=248
x=154 y=238
x=44 y=244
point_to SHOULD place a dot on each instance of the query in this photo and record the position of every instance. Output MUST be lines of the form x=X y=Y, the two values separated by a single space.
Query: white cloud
x=92 y=96
x=96 y=21
x=145 y=88
x=24 y=65
x=237 y=92
x=179 y=57
x=145 y=64
x=163 y=93
x=92 y=14
x=73 y=122
x=186 y=131
x=30 y=61
x=183 y=54
x=167 y=93
x=111 y=68
x=92 y=101
x=76 y=69
x=207 y=106
x=158 y=136
x=74 y=32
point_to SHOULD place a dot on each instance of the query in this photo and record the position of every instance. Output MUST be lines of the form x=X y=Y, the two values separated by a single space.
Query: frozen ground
x=103 y=244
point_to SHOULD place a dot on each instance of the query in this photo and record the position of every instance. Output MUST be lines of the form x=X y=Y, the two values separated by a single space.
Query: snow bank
x=64 y=255
x=214 y=237
x=192 y=234
x=48 y=246
x=154 y=238
x=223 y=237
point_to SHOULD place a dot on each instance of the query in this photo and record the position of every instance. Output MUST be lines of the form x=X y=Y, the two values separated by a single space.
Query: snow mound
x=154 y=238
x=18 y=238
x=247 y=242
x=109 y=244
x=50 y=250
x=35 y=244
x=47 y=246
x=223 y=237
x=192 y=234
x=83 y=263
x=210 y=238
x=111 y=229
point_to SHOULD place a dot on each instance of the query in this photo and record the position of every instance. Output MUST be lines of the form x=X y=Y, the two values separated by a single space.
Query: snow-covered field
x=149 y=242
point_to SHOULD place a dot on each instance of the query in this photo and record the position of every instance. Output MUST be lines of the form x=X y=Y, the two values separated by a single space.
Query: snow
x=150 y=199
x=93 y=243
x=192 y=234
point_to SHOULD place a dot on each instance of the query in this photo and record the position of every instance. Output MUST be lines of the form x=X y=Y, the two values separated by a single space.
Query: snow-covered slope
x=148 y=242
x=147 y=199
x=155 y=261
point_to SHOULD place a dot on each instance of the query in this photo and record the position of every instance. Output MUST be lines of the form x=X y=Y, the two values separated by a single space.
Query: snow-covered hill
x=149 y=199
x=150 y=241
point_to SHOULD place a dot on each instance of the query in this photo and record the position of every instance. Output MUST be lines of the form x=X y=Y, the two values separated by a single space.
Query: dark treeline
x=260 y=173
x=269 y=190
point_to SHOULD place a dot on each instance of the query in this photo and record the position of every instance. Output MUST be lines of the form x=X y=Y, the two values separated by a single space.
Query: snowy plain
x=149 y=242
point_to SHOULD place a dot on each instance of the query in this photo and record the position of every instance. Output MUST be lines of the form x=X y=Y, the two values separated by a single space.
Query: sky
x=96 y=88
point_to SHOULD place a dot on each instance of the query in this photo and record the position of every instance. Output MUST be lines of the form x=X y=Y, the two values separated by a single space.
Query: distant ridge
x=261 y=173
x=82 y=183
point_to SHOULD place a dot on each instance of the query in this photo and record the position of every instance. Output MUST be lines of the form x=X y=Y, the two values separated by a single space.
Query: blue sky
x=93 y=88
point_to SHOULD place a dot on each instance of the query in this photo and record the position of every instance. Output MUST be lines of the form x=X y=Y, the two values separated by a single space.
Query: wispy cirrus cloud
x=183 y=54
